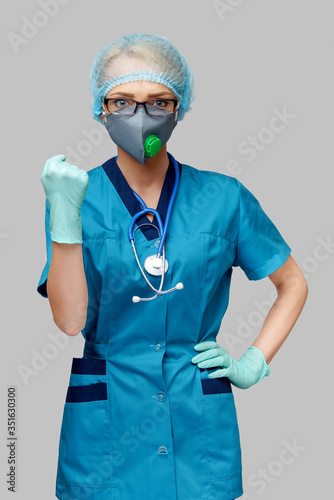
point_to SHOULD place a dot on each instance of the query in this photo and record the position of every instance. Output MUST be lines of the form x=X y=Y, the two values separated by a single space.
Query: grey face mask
x=131 y=132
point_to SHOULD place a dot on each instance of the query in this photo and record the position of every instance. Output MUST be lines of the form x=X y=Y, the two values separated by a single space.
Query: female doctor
x=140 y=253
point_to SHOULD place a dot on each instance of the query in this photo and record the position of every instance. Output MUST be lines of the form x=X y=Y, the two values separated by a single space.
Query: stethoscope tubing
x=162 y=231
x=162 y=228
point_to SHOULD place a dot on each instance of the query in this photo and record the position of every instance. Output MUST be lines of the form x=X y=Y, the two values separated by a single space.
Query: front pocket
x=214 y=385
x=222 y=430
x=89 y=366
x=84 y=393
x=85 y=442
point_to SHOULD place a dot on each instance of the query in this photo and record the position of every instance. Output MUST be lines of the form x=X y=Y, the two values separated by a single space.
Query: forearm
x=281 y=317
x=67 y=287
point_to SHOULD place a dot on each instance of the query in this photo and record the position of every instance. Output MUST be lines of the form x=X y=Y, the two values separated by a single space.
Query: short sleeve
x=41 y=287
x=260 y=249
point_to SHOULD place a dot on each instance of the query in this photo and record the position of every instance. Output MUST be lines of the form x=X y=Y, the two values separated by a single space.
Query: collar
x=130 y=201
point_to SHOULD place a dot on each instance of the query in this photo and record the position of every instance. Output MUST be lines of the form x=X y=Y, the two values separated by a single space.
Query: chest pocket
x=85 y=443
x=222 y=433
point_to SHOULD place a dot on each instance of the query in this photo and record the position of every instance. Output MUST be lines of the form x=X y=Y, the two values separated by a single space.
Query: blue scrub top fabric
x=140 y=420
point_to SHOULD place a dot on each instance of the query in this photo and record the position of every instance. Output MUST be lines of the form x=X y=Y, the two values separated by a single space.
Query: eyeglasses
x=154 y=107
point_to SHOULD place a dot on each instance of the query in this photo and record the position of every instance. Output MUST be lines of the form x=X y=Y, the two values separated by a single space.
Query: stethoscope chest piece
x=153 y=265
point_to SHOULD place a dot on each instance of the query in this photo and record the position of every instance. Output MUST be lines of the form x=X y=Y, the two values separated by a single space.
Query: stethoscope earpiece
x=136 y=299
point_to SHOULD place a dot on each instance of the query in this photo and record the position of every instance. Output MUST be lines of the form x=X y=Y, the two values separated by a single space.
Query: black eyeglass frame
x=143 y=103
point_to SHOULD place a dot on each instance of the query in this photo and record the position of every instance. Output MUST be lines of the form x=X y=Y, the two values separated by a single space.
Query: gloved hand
x=244 y=373
x=65 y=187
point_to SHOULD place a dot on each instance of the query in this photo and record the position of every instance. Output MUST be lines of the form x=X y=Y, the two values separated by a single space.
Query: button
x=162 y=449
x=161 y=396
x=156 y=243
x=158 y=347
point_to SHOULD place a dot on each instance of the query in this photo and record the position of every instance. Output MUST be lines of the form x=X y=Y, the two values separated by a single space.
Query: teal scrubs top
x=140 y=420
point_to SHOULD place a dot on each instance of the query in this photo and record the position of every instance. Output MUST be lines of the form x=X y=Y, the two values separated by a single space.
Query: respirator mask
x=141 y=134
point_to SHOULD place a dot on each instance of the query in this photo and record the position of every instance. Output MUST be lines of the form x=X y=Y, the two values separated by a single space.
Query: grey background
x=260 y=56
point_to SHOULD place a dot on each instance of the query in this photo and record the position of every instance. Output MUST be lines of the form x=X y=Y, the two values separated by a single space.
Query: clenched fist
x=65 y=188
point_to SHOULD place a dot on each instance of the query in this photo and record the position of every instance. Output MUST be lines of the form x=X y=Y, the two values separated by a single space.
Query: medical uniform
x=141 y=421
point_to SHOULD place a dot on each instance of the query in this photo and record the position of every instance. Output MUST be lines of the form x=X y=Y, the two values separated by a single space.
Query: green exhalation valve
x=152 y=145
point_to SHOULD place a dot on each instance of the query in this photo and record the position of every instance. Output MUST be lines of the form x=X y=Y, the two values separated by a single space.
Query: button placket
x=158 y=346
x=160 y=396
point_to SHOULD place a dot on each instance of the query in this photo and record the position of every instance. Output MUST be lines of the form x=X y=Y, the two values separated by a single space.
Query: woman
x=149 y=411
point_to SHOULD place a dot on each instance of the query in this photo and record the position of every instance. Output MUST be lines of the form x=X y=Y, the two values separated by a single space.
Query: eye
x=120 y=103
x=160 y=103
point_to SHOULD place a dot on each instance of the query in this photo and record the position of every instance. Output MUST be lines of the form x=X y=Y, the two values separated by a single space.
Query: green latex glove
x=244 y=373
x=65 y=187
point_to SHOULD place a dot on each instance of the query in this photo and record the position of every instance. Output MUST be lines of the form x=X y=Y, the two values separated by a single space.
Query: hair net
x=141 y=57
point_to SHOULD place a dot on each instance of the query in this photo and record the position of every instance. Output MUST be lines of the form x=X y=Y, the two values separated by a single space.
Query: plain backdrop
x=252 y=60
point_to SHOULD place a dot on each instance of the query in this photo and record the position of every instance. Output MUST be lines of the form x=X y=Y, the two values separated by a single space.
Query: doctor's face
x=140 y=91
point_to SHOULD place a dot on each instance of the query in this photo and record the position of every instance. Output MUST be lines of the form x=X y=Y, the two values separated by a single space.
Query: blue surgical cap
x=141 y=57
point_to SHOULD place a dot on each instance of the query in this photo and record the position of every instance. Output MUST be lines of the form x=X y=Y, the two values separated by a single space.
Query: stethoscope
x=155 y=264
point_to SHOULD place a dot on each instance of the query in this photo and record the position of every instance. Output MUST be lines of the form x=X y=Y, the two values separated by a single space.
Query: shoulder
x=231 y=187
x=97 y=179
x=209 y=202
x=97 y=186
x=208 y=179
x=94 y=172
